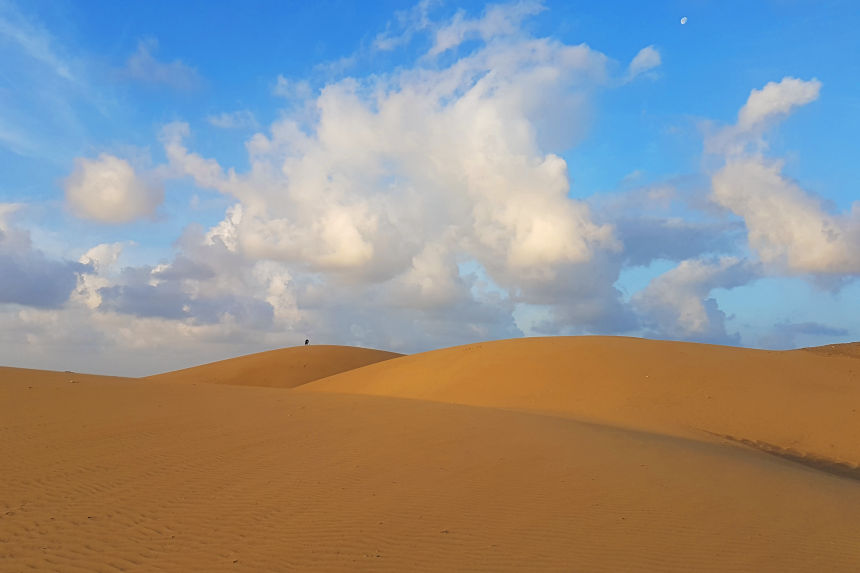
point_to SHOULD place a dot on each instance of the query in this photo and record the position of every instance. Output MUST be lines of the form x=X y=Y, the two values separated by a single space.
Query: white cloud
x=363 y=222
x=102 y=257
x=292 y=89
x=206 y=172
x=677 y=304
x=447 y=158
x=240 y=119
x=762 y=109
x=497 y=20
x=645 y=60
x=408 y=23
x=776 y=99
x=142 y=66
x=6 y=211
x=788 y=227
x=108 y=190
x=101 y=260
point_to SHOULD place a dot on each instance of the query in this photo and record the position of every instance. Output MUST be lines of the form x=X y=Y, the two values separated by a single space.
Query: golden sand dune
x=107 y=474
x=282 y=368
x=794 y=400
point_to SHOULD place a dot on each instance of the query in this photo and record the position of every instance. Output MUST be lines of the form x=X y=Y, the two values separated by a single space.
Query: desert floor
x=564 y=454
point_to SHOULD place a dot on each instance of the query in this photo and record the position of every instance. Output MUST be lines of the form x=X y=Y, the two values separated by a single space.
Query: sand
x=283 y=368
x=799 y=400
x=537 y=454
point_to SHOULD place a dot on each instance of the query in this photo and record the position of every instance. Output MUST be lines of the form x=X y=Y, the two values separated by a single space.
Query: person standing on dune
x=307 y=341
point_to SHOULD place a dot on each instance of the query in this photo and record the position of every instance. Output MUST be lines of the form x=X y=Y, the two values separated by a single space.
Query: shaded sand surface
x=804 y=401
x=107 y=474
x=283 y=368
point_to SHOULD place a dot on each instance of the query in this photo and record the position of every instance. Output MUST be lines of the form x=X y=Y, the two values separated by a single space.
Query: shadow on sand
x=822 y=464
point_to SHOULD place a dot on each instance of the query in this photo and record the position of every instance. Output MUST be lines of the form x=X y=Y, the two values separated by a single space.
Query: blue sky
x=180 y=182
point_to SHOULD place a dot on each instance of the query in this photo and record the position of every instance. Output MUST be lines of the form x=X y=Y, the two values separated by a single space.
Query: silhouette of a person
x=307 y=341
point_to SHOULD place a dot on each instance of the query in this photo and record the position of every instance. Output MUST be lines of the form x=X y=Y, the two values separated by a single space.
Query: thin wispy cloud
x=47 y=89
x=405 y=25
x=239 y=119
x=646 y=60
x=144 y=67
x=292 y=89
x=33 y=40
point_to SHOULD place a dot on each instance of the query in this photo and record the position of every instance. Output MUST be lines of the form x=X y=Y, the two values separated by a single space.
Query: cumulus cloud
x=108 y=190
x=101 y=261
x=446 y=161
x=204 y=285
x=27 y=276
x=406 y=211
x=677 y=304
x=788 y=227
x=583 y=300
x=645 y=60
x=240 y=119
x=143 y=66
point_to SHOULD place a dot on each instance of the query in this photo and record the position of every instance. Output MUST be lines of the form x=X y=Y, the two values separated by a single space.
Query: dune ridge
x=850 y=349
x=282 y=368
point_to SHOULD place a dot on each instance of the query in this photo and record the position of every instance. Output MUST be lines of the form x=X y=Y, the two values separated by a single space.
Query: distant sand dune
x=791 y=399
x=851 y=349
x=576 y=454
x=282 y=368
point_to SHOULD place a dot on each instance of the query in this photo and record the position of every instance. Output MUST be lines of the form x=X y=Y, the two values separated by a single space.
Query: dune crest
x=850 y=349
x=283 y=368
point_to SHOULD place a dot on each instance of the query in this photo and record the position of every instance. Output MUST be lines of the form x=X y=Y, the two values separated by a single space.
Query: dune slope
x=802 y=402
x=283 y=368
x=106 y=475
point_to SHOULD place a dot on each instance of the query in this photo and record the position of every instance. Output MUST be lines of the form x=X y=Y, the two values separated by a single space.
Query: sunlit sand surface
x=284 y=368
x=562 y=454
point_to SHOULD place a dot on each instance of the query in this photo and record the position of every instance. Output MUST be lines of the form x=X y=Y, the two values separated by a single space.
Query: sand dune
x=798 y=400
x=282 y=368
x=852 y=349
x=107 y=474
